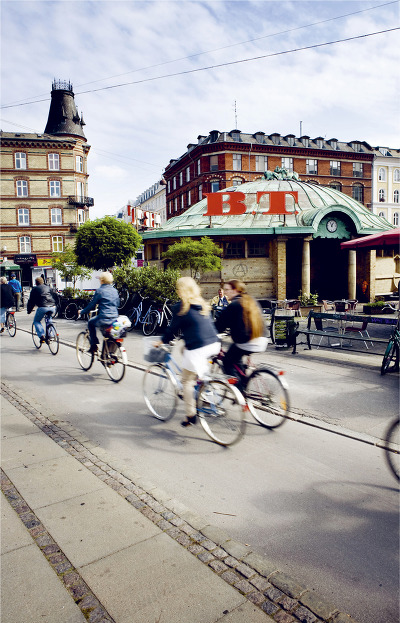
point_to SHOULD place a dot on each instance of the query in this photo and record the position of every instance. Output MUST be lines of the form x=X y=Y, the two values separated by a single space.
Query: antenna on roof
x=235 y=117
x=301 y=128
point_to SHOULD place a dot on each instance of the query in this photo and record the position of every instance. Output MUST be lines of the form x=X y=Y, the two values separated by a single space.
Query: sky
x=145 y=78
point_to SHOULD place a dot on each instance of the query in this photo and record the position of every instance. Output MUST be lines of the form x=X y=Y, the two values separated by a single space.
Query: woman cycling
x=192 y=317
x=244 y=318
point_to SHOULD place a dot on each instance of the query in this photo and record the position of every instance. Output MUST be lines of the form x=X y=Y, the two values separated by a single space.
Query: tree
x=150 y=281
x=106 y=242
x=67 y=265
x=199 y=256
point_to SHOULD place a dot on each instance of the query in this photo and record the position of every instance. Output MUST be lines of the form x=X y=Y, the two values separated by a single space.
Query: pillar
x=352 y=273
x=281 y=268
x=305 y=267
x=372 y=274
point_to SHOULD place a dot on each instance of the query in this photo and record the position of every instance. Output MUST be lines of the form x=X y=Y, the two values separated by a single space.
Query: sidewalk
x=86 y=539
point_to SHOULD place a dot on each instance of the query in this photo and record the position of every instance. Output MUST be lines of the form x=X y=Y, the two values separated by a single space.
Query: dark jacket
x=6 y=295
x=107 y=298
x=197 y=330
x=40 y=296
x=231 y=317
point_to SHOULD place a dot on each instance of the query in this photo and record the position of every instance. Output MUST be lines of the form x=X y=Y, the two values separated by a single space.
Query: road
x=321 y=505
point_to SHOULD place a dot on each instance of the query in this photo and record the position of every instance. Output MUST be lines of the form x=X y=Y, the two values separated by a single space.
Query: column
x=372 y=274
x=281 y=268
x=352 y=273
x=305 y=267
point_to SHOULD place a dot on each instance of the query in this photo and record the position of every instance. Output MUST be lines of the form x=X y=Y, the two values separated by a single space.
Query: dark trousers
x=232 y=356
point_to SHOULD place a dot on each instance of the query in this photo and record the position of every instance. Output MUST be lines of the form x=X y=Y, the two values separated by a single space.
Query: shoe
x=2 y=330
x=189 y=421
x=93 y=349
x=42 y=339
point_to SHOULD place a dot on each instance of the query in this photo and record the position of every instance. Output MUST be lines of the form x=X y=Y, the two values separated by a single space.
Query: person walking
x=6 y=300
x=192 y=316
x=107 y=299
x=17 y=289
x=42 y=298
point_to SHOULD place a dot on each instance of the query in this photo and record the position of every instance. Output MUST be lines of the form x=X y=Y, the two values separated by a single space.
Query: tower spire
x=63 y=117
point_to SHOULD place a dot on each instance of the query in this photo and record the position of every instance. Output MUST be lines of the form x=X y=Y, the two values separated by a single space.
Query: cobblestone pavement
x=253 y=576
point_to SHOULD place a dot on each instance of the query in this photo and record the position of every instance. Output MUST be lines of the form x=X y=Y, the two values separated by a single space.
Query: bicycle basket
x=151 y=353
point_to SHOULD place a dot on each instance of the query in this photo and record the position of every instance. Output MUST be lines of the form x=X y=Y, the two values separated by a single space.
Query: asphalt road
x=320 y=504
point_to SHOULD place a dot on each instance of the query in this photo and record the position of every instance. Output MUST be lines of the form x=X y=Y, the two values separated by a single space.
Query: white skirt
x=197 y=360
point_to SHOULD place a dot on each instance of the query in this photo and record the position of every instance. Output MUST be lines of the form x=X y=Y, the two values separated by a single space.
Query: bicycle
x=265 y=391
x=137 y=316
x=112 y=355
x=392 y=351
x=158 y=318
x=10 y=323
x=50 y=334
x=392 y=442
x=220 y=406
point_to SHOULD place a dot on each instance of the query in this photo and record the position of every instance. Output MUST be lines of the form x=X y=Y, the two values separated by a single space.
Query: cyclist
x=107 y=299
x=42 y=297
x=6 y=300
x=245 y=320
x=192 y=317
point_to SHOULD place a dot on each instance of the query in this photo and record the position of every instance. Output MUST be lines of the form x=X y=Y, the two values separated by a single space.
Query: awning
x=8 y=265
x=384 y=239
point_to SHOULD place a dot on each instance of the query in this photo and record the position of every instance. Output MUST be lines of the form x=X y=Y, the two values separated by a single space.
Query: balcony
x=81 y=201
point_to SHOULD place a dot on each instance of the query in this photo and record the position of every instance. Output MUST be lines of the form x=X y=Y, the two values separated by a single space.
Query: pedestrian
x=192 y=316
x=107 y=299
x=17 y=289
x=6 y=300
x=220 y=299
x=245 y=320
x=42 y=298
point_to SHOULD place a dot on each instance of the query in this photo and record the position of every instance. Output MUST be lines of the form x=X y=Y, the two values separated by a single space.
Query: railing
x=81 y=201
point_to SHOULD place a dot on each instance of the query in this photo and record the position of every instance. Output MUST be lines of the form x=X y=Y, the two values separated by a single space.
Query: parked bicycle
x=50 y=334
x=10 y=323
x=139 y=316
x=392 y=443
x=220 y=406
x=112 y=354
x=391 y=358
x=265 y=391
x=158 y=318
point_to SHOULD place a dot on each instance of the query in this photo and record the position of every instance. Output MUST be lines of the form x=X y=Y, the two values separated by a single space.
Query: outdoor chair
x=362 y=331
x=328 y=305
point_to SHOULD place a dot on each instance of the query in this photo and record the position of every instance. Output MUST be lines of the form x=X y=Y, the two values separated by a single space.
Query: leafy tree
x=106 y=242
x=199 y=256
x=150 y=281
x=67 y=265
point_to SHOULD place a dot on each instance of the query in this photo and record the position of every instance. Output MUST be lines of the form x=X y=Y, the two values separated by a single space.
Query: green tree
x=67 y=265
x=150 y=281
x=106 y=242
x=199 y=256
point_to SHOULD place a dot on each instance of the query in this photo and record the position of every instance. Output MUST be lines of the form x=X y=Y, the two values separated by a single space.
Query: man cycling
x=42 y=297
x=107 y=299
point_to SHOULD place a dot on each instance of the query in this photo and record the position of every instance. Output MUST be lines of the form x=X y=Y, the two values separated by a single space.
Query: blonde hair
x=106 y=277
x=190 y=294
x=252 y=316
x=3 y=279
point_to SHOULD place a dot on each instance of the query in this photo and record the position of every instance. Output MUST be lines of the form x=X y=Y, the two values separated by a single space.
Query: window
x=56 y=216
x=25 y=244
x=287 y=163
x=358 y=169
x=169 y=186
x=311 y=167
x=174 y=183
x=382 y=214
x=80 y=190
x=381 y=194
x=189 y=198
x=55 y=188
x=23 y=216
x=79 y=164
x=320 y=143
x=22 y=188
x=188 y=174
x=54 y=162
x=256 y=249
x=176 y=204
x=181 y=178
x=336 y=186
x=335 y=167
x=213 y=163
x=182 y=203
x=81 y=216
x=198 y=166
x=396 y=196
x=357 y=192
x=20 y=160
x=396 y=218
x=262 y=163
x=333 y=143
x=235 y=136
x=57 y=244
x=237 y=162
x=306 y=141
x=290 y=140
x=236 y=183
x=396 y=175
x=382 y=175
x=200 y=192
x=214 y=187
x=234 y=249
x=356 y=146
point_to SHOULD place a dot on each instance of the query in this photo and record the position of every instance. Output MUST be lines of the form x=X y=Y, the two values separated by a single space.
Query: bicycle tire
x=267 y=398
x=53 y=341
x=83 y=354
x=160 y=392
x=150 y=325
x=392 y=456
x=115 y=360
x=221 y=410
x=134 y=319
x=123 y=297
x=71 y=311
x=11 y=325
x=392 y=352
x=36 y=338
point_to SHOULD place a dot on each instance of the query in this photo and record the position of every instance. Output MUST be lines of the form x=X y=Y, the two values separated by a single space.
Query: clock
x=331 y=226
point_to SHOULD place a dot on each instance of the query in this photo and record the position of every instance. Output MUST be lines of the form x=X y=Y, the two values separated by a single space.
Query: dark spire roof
x=63 y=115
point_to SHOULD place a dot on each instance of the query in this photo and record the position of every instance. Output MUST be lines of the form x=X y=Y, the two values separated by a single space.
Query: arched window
x=395 y=218
x=336 y=185
x=382 y=214
x=381 y=194
x=396 y=175
x=358 y=192
x=382 y=175
x=396 y=196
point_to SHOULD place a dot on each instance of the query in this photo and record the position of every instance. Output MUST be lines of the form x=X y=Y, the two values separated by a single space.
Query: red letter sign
x=216 y=201
x=277 y=200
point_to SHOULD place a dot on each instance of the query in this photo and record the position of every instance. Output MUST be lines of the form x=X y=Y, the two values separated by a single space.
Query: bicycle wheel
x=159 y=391
x=84 y=356
x=36 y=338
x=221 y=409
x=151 y=323
x=392 y=455
x=115 y=360
x=390 y=358
x=267 y=397
x=11 y=325
x=53 y=341
x=71 y=311
x=134 y=318
x=123 y=297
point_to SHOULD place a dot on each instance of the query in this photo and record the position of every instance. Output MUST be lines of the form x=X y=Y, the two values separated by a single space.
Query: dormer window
x=290 y=139
x=214 y=135
x=235 y=135
x=333 y=143
x=356 y=145
x=305 y=140
x=259 y=136
x=384 y=151
x=319 y=142
x=275 y=138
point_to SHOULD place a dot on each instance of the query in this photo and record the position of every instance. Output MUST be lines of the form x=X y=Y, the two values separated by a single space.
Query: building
x=386 y=184
x=228 y=159
x=43 y=188
x=153 y=200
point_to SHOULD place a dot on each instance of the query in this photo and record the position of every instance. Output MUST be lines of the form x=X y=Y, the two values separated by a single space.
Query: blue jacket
x=15 y=284
x=107 y=299
x=198 y=330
